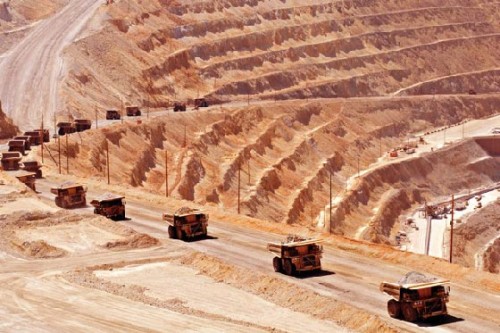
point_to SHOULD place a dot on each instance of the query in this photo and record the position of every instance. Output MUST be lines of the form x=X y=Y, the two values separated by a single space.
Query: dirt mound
x=40 y=250
x=47 y=235
x=137 y=241
x=7 y=127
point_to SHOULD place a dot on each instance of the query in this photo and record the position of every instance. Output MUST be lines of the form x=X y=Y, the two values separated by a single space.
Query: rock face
x=7 y=128
x=4 y=12
x=284 y=49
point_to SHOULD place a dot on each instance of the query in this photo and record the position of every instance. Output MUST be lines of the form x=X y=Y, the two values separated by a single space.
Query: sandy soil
x=36 y=61
x=313 y=88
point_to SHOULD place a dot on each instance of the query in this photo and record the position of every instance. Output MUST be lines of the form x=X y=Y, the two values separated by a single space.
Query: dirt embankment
x=492 y=257
x=471 y=236
x=271 y=289
x=7 y=127
x=285 y=151
x=383 y=194
x=153 y=53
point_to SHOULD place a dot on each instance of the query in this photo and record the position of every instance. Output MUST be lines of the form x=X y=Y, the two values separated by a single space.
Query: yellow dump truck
x=110 y=205
x=417 y=296
x=296 y=254
x=70 y=195
x=27 y=178
x=17 y=145
x=10 y=161
x=186 y=223
x=82 y=124
x=32 y=166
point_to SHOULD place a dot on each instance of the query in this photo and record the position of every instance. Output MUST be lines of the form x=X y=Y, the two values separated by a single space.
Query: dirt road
x=347 y=277
x=32 y=70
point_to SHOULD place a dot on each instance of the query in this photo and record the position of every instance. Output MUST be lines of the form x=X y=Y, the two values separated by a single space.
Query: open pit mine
x=249 y=166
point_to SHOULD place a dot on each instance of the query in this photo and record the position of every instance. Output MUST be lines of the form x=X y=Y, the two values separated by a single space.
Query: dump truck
x=17 y=145
x=112 y=114
x=70 y=195
x=133 y=111
x=83 y=124
x=34 y=136
x=186 y=223
x=417 y=296
x=32 y=166
x=27 y=178
x=10 y=161
x=45 y=134
x=179 y=107
x=27 y=141
x=200 y=103
x=296 y=254
x=66 y=128
x=110 y=205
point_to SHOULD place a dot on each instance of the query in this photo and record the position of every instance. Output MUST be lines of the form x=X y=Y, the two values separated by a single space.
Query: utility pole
x=358 y=164
x=67 y=155
x=451 y=226
x=96 y=124
x=463 y=130
x=166 y=173
x=107 y=158
x=380 y=146
x=41 y=137
x=444 y=136
x=248 y=166
x=55 y=123
x=330 y=202
x=239 y=187
x=184 y=144
x=59 y=143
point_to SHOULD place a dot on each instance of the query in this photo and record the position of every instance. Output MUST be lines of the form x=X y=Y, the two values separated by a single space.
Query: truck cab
x=186 y=223
x=110 y=205
x=296 y=254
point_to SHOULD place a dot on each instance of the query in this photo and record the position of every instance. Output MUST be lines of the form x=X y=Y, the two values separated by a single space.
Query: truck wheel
x=409 y=313
x=171 y=232
x=180 y=234
x=277 y=264
x=288 y=267
x=394 y=308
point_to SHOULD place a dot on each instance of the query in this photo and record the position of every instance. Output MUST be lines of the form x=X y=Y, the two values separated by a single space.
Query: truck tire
x=288 y=267
x=171 y=232
x=394 y=308
x=409 y=313
x=278 y=267
x=180 y=234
